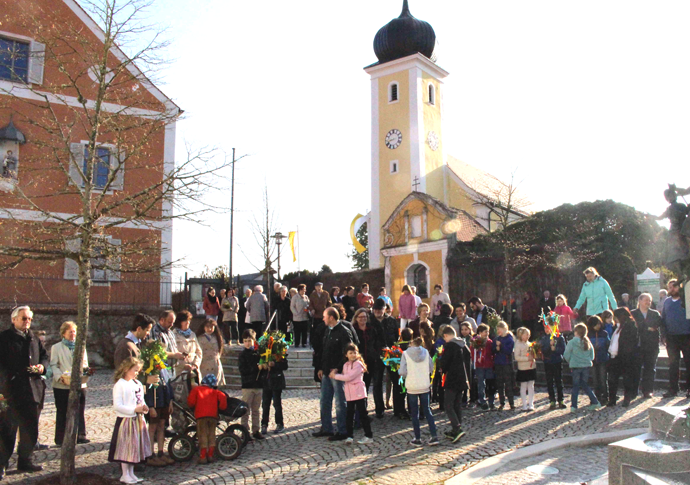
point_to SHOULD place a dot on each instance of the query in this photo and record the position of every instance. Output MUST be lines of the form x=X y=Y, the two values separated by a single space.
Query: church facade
x=422 y=200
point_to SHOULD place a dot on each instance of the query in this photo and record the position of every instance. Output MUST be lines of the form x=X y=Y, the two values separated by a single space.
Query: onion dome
x=11 y=133
x=404 y=37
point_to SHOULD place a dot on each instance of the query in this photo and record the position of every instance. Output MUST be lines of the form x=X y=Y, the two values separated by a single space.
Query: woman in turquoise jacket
x=597 y=293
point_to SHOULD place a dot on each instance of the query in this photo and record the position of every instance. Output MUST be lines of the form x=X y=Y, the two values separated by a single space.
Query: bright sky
x=587 y=99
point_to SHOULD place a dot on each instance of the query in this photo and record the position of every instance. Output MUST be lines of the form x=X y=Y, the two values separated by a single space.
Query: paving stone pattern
x=296 y=457
x=575 y=466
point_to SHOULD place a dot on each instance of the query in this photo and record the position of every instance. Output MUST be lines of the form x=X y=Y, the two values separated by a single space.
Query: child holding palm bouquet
x=272 y=366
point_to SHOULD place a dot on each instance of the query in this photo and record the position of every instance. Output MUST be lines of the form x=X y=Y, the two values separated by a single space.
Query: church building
x=422 y=199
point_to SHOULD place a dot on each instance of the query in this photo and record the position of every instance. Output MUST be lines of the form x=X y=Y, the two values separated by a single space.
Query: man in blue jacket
x=676 y=333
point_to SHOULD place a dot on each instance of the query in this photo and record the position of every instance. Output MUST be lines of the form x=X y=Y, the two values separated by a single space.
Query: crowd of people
x=460 y=356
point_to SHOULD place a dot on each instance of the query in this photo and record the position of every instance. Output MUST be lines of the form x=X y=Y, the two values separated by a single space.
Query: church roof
x=486 y=185
x=463 y=224
x=405 y=36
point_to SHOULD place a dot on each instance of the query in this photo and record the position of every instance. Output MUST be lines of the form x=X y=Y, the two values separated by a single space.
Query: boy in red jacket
x=206 y=401
x=483 y=359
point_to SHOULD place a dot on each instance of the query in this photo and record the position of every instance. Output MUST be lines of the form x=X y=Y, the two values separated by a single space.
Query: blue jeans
x=580 y=378
x=330 y=388
x=482 y=376
x=414 y=402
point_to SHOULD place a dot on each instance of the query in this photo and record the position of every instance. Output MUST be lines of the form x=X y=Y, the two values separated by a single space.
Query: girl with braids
x=579 y=353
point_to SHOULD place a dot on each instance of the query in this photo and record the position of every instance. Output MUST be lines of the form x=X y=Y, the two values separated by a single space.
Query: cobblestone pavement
x=574 y=465
x=296 y=455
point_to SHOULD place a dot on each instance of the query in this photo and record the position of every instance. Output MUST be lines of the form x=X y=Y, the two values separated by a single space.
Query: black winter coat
x=17 y=354
x=455 y=363
x=391 y=330
x=628 y=343
x=283 y=309
x=648 y=329
x=333 y=349
x=371 y=343
x=249 y=369
x=274 y=377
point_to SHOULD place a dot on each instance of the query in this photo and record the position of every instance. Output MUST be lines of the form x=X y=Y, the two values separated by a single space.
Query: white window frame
x=390 y=92
x=33 y=59
x=394 y=166
x=113 y=153
x=428 y=275
x=431 y=93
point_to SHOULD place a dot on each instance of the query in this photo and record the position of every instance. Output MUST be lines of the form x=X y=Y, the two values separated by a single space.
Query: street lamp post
x=279 y=236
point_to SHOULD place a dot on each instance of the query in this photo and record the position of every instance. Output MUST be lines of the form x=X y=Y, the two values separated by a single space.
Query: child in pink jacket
x=355 y=392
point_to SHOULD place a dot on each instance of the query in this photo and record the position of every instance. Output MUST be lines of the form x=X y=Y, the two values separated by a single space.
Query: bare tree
x=503 y=204
x=95 y=117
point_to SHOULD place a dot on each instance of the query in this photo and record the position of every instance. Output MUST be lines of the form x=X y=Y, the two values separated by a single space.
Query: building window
x=393 y=92
x=394 y=166
x=14 y=60
x=415 y=226
x=101 y=169
x=418 y=275
x=432 y=94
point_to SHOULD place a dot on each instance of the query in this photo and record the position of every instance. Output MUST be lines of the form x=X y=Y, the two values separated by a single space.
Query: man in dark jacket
x=648 y=324
x=547 y=303
x=480 y=311
x=23 y=360
x=455 y=364
x=335 y=339
x=389 y=325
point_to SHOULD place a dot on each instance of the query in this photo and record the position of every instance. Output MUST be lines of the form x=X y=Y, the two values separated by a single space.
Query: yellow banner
x=291 y=238
x=358 y=246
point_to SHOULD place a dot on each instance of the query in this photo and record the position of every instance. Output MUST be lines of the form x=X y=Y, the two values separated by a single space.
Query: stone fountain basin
x=662 y=420
x=652 y=452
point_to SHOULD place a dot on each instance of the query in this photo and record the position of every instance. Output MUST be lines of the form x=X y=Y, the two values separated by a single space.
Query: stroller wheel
x=228 y=446
x=240 y=431
x=181 y=448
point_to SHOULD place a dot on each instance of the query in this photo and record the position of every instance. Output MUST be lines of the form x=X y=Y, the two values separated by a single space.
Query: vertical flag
x=291 y=238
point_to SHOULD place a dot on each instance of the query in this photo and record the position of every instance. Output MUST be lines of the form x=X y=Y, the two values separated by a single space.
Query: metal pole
x=232 y=208
x=299 y=267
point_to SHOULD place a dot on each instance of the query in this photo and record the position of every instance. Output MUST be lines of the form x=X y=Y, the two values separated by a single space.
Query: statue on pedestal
x=678 y=247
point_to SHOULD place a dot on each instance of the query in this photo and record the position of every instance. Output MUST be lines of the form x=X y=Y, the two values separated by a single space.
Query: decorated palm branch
x=478 y=343
x=154 y=357
x=551 y=319
x=272 y=347
x=492 y=320
x=535 y=349
x=391 y=357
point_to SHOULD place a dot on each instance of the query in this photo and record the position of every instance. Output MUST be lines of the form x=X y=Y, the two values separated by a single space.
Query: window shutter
x=37 y=62
x=71 y=266
x=76 y=164
x=113 y=270
x=119 y=180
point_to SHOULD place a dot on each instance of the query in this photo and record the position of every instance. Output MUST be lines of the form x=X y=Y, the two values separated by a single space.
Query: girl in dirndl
x=130 y=443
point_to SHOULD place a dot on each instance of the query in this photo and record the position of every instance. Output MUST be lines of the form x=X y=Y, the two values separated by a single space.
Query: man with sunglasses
x=23 y=360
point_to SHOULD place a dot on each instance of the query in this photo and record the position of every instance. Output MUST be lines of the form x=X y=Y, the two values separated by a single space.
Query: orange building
x=50 y=79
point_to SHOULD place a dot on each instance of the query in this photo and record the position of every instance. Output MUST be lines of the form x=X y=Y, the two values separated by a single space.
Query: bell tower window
x=432 y=94
x=394 y=166
x=393 y=92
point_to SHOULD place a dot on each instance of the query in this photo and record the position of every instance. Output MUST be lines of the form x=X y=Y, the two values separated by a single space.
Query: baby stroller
x=184 y=444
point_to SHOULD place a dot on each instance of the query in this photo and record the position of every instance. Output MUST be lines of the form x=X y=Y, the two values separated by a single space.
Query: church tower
x=406 y=131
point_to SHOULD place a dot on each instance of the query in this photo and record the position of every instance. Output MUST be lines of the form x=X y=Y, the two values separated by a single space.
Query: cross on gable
x=415 y=183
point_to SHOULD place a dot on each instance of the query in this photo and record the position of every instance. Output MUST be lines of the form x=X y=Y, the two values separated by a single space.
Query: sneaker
x=337 y=437
x=83 y=441
x=279 y=429
x=530 y=409
x=458 y=434
x=449 y=434
x=258 y=436
x=416 y=442
x=349 y=441
x=552 y=405
x=561 y=405
x=264 y=430
x=321 y=433
x=512 y=407
x=434 y=442
x=365 y=440
x=573 y=409
x=594 y=407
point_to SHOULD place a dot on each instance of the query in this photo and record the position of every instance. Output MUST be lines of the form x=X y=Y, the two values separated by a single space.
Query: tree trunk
x=507 y=288
x=69 y=443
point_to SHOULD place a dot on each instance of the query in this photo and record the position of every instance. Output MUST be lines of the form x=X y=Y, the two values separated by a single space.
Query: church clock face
x=393 y=139
x=432 y=140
